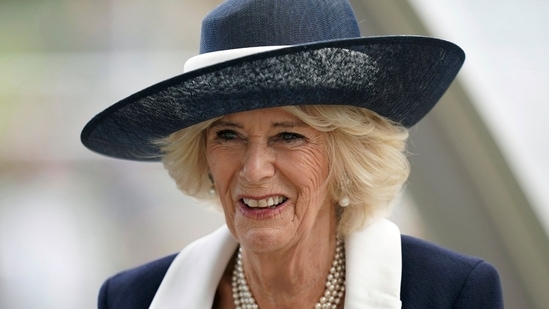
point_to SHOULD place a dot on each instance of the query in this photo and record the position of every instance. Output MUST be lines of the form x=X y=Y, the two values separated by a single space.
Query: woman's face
x=270 y=171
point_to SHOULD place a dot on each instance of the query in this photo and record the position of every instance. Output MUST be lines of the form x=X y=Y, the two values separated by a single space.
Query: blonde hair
x=366 y=153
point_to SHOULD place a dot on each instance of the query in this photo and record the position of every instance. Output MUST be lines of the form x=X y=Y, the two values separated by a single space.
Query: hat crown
x=249 y=23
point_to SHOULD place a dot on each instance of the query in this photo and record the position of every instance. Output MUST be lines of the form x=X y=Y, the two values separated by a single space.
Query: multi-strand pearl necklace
x=333 y=293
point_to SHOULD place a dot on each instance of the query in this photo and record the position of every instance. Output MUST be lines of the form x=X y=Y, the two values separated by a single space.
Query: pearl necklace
x=333 y=294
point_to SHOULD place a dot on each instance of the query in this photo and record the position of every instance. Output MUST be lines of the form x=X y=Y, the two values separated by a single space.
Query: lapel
x=373 y=263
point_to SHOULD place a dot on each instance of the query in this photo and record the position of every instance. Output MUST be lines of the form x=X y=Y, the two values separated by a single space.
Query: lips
x=272 y=201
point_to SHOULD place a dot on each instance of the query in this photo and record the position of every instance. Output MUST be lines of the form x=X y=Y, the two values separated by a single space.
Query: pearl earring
x=344 y=201
x=212 y=188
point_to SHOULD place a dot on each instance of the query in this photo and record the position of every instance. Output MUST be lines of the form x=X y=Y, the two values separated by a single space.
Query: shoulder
x=435 y=277
x=134 y=288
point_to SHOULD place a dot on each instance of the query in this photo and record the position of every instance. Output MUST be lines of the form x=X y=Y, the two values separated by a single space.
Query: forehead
x=268 y=116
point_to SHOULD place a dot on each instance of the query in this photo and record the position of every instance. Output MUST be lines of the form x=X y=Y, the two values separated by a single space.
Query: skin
x=287 y=249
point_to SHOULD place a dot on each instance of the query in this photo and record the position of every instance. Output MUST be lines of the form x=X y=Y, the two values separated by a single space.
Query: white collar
x=373 y=261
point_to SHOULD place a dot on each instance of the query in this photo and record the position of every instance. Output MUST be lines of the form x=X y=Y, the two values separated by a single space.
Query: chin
x=265 y=239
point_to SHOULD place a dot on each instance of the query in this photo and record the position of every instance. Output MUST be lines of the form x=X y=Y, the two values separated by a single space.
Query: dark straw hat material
x=399 y=77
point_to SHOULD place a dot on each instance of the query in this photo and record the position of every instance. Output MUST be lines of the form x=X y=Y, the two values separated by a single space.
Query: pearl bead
x=344 y=201
x=333 y=293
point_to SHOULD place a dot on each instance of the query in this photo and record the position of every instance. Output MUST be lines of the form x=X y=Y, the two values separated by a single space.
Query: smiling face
x=270 y=170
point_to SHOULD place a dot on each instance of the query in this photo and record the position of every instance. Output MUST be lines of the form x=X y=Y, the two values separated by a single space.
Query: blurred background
x=70 y=218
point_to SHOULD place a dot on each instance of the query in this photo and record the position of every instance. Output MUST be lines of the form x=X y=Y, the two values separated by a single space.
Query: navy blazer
x=432 y=277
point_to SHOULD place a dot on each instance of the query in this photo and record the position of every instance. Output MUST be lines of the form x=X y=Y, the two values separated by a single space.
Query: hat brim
x=398 y=77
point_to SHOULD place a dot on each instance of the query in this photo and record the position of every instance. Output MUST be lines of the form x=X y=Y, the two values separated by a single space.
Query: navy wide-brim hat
x=268 y=53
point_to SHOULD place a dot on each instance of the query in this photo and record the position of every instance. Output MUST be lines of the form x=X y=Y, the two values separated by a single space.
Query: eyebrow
x=223 y=123
x=276 y=124
x=289 y=124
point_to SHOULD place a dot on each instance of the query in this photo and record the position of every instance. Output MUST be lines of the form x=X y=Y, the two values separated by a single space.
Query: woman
x=297 y=127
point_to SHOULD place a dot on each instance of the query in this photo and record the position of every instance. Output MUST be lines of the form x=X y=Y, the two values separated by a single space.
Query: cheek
x=214 y=165
x=218 y=169
x=309 y=171
x=222 y=164
x=213 y=162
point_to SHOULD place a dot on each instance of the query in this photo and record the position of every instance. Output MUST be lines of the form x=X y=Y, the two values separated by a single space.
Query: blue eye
x=290 y=137
x=226 y=135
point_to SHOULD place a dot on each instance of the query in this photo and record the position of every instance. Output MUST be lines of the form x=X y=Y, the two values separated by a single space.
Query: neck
x=295 y=279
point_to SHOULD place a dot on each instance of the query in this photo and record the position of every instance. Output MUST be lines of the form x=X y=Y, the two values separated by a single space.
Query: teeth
x=269 y=202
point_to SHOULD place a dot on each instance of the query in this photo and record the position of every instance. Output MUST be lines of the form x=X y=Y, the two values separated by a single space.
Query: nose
x=258 y=163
